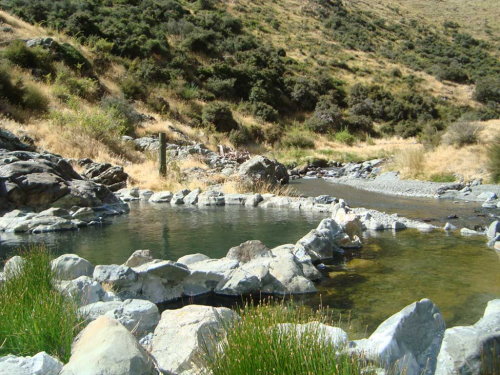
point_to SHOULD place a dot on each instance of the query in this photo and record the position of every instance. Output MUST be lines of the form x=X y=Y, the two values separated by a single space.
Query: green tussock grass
x=34 y=316
x=255 y=345
x=494 y=160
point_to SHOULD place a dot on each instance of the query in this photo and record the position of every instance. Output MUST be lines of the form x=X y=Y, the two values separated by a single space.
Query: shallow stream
x=390 y=271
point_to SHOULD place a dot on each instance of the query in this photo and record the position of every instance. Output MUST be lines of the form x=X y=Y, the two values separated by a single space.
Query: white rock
x=71 y=266
x=192 y=197
x=192 y=258
x=39 y=364
x=332 y=335
x=13 y=265
x=139 y=316
x=180 y=338
x=161 y=197
x=469 y=232
x=211 y=198
x=248 y=251
x=138 y=258
x=121 y=279
x=83 y=290
x=105 y=347
x=410 y=339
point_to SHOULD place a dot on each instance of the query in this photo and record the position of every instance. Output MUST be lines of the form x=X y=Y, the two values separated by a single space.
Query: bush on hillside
x=133 y=88
x=345 y=137
x=461 y=133
x=297 y=138
x=122 y=110
x=30 y=58
x=327 y=116
x=488 y=90
x=220 y=116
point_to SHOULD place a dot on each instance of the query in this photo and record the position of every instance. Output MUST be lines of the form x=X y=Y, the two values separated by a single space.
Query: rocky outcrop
x=39 y=364
x=260 y=168
x=472 y=350
x=184 y=336
x=33 y=181
x=408 y=341
x=107 y=347
x=112 y=176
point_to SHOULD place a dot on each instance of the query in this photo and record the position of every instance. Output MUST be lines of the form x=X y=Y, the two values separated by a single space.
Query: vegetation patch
x=34 y=316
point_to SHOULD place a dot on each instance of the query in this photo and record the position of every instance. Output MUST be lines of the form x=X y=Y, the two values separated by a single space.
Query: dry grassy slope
x=480 y=18
x=303 y=37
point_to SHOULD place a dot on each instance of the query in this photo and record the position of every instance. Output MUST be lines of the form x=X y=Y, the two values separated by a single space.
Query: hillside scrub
x=34 y=316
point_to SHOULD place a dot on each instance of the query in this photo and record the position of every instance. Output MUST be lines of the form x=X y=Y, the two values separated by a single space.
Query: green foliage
x=327 y=116
x=123 y=111
x=494 y=160
x=67 y=84
x=443 y=177
x=31 y=58
x=34 y=316
x=488 y=90
x=133 y=88
x=297 y=138
x=345 y=137
x=461 y=133
x=220 y=116
x=259 y=344
x=245 y=135
x=25 y=97
x=158 y=104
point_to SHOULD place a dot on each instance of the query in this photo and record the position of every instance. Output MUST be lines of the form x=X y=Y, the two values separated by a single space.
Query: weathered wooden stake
x=163 y=154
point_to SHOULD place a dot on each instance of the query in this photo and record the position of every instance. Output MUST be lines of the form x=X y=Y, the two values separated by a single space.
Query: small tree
x=219 y=115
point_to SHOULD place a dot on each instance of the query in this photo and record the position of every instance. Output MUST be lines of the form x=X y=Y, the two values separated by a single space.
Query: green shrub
x=220 y=116
x=31 y=58
x=123 y=111
x=297 y=138
x=345 y=137
x=264 y=112
x=133 y=88
x=327 y=116
x=461 y=133
x=67 y=84
x=443 y=177
x=34 y=316
x=488 y=90
x=494 y=160
x=260 y=344
x=158 y=104
x=34 y=100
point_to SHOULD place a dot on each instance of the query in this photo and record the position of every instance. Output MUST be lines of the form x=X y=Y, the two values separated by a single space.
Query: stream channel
x=363 y=287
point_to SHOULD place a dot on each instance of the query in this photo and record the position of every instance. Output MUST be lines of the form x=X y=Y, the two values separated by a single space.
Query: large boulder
x=260 y=168
x=287 y=277
x=71 y=266
x=211 y=198
x=408 y=341
x=114 y=177
x=472 y=350
x=322 y=242
x=83 y=290
x=36 y=180
x=39 y=364
x=107 y=347
x=138 y=258
x=248 y=251
x=139 y=316
x=183 y=336
x=121 y=279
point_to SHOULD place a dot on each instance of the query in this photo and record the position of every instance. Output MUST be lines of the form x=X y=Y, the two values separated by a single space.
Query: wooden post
x=163 y=154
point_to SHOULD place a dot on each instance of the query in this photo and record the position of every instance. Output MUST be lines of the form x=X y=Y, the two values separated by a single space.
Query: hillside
x=297 y=80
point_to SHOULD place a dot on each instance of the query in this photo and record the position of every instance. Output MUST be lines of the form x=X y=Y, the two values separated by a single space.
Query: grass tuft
x=494 y=160
x=34 y=316
x=256 y=345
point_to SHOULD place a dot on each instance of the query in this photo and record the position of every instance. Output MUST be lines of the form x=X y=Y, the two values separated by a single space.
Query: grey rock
x=409 y=340
x=472 y=350
x=83 y=290
x=184 y=336
x=449 y=227
x=13 y=266
x=192 y=197
x=487 y=195
x=114 y=177
x=469 y=232
x=139 y=316
x=248 y=251
x=493 y=229
x=121 y=279
x=254 y=200
x=178 y=198
x=287 y=277
x=192 y=258
x=235 y=199
x=107 y=347
x=39 y=364
x=71 y=266
x=161 y=197
x=263 y=169
x=138 y=258
x=211 y=198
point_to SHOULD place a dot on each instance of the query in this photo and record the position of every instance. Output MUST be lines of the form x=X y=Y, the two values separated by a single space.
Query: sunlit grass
x=34 y=316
